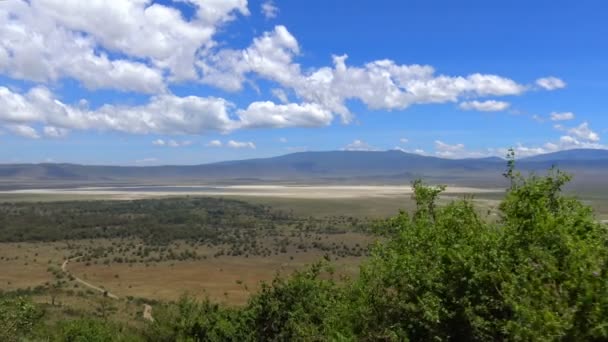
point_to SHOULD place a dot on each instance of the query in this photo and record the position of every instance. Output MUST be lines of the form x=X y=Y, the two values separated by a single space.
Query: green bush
x=91 y=330
x=304 y=307
x=539 y=273
x=17 y=317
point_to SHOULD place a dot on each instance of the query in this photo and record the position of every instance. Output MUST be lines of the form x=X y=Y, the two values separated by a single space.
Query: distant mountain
x=334 y=166
x=571 y=155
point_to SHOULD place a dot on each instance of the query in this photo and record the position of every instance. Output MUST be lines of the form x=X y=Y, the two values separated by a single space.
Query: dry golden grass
x=24 y=265
x=224 y=279
x=227 y=279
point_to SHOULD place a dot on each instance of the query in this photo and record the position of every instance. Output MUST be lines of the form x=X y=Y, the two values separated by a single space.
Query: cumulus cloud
x=383 y=84
x=584 y=133
x=283 y=140
x=550 y=83
x=171 y=143
x=269 y=9
x=45 y=40
x=358 y=145
x=484 y=106
x=404 y=140
x=577 y=137
x=448 y=151
x=269 y=114
x=144 y=46
x=280 y=94
x=240 y=144
x=166 y=114
x=24 y=131
x=162 y=114
x=555 y=116
x=380 y=84
x=55 y=132
x=214 y=143
x=445 y=150
x=269 y=56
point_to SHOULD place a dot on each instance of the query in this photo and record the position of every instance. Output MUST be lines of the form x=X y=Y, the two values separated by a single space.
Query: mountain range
x=331 y=166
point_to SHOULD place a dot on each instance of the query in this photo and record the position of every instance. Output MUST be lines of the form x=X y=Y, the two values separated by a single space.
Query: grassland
x=160 y=249
x=153 y=253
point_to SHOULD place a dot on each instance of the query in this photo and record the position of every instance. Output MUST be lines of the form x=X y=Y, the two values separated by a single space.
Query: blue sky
x=141 y=82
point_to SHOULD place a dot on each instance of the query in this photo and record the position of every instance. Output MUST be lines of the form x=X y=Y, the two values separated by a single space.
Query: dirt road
x=64 y=268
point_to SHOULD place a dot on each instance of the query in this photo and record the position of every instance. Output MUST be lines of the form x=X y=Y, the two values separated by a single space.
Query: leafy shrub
x=17 y=317
x=447 y=274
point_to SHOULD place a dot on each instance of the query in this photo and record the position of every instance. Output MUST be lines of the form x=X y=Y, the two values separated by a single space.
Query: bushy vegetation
x=537 y=272
x=146 y=230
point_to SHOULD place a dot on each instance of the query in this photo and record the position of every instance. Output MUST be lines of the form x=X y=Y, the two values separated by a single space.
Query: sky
x=143 y=82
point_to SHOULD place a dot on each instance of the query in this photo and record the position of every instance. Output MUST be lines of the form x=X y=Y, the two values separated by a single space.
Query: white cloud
x=280 y=94
x=24 y=131
x=283 y=140
x=214 y=143
x=269 y=56
x=485 y=106
x=445 y=150
x=269 y=114
x=381 y=84
x=269 y=9
x=522 y=151
x=163 y=114
x=171 y=143
x=565 y=143
x=404 y=140
x=583 y=132
x=166 y=114
x=46 y=40
x=144 y=46
x=550 y=83
x=55 y=132
x=448 y=151
x=578 y=137
x=358 y=145
x=562 y=116
x=240 y=144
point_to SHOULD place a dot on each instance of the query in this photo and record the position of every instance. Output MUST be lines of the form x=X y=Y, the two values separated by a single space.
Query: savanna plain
x=118 y=252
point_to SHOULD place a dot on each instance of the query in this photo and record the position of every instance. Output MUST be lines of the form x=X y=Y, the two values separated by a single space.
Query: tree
x=446 y=274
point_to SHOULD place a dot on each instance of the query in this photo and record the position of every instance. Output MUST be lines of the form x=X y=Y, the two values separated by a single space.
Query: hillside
x=356 y=166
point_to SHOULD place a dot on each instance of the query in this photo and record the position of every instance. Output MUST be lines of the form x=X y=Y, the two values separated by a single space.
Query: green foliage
x=537 y=274
x=295 y=309
x=189 y=320
x=301 y=308
x=92 y=330
x=433 y=279
x=236 y=227
x=17 y=317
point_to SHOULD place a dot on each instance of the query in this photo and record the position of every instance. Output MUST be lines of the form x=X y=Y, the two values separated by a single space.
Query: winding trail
x=147 y=312
x=64 y=268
